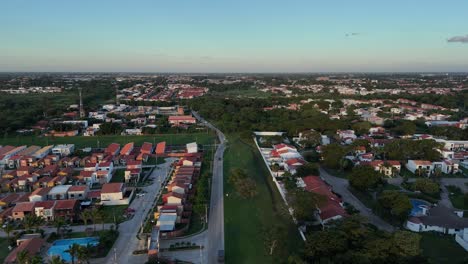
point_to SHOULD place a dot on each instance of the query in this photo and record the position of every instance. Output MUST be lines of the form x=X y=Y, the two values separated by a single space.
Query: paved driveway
x=341 y=186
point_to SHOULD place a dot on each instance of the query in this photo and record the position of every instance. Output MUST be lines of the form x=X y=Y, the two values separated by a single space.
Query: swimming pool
x=418 y=205
x=58 y=247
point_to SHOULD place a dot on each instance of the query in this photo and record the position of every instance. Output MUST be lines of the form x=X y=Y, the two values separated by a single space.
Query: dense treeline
x=23 y=111
x=248 y=115
x=350 y=241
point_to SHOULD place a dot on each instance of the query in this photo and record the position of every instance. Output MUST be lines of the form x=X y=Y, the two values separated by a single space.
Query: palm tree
x=36 y=260
x=85 y=216
x=22 y=257
x=38 y=221
x=57 y=260
x=28 y=222
x=94 y=215
x=73 y=251
x=59 y=222
x=83 y=254
x=8 y=228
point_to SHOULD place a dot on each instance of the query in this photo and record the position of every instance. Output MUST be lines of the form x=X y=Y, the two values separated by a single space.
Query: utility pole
x=82 y=113
x=206 y=213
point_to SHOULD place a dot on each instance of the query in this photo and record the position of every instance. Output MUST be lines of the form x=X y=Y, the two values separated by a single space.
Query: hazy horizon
x=210 y=36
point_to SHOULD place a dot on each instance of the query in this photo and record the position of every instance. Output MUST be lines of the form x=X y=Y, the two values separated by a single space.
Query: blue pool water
x=59 y=246
x=417 y=210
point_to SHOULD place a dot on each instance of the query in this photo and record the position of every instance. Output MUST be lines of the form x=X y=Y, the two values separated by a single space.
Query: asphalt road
x=341 y=186
x=215 y=233
x=127 y=242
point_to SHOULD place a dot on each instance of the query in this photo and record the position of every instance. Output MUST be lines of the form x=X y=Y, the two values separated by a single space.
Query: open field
x=246 y=220
x=103 y=141
x=442 y=249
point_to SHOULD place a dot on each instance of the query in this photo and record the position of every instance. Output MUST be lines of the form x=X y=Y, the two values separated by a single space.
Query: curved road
x=215 y=235
x=341 y=186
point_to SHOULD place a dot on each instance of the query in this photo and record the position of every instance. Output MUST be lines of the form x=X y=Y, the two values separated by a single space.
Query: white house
x=113 y=194
x=443 y=220
x=424 y=166
x=192 y=147
x=63 y=150
x=59 y=192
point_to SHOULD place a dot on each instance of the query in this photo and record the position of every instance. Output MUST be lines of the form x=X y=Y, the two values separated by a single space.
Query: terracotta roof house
x=45 y=209
x=22 y=209
x=67 y=209
x=24 y=170
x=89 y=177
x=146 y=148
x=78 y=192
x=332 y=209
x=184 y=119
x=161 y=148
x=173 y=198
x=39 y=194
x=127 y=149
x=114 y=194
x=9 y=200
x=113 y=149
x=42 y=182
x=33 y=246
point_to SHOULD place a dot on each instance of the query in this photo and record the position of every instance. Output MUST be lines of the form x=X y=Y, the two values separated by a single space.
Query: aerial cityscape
x=209 y=132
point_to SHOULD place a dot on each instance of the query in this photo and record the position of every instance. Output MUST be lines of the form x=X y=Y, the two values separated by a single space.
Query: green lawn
x=4 y=248
x=442 y=249
x=81 y=142
x=457 y=197
x=245 y=219
x=119 y=176
x=114 y=210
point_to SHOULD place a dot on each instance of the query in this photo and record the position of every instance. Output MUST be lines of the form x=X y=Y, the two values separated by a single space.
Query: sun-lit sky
x=234 y=36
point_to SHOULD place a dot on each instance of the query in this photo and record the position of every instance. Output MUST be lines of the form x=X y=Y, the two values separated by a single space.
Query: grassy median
x=247 y=219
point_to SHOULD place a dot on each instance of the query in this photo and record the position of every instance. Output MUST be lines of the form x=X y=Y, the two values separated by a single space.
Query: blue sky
x=233 y=36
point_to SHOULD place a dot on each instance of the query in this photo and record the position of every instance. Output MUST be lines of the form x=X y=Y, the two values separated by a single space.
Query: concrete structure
x=443 y=220
x=192 y=147
x=59 y=192
x=114 y=194
x=63 y=150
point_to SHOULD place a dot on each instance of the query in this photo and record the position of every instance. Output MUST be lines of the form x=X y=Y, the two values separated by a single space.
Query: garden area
x=457 y=197
x=442 y=249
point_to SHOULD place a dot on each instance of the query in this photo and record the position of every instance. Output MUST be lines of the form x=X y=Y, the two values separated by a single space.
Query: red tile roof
x=77 y=188
x=24 y=207
x=86 y=174
x=65 y=204
x=127 y=149
x=32 y=246
x=161 y=147
x=94 y=194
x=41 y=191
x=182 y=118
x=146 y=148
x=112 y=187
x=112 y=148
x=332 y=206
x=45 y=204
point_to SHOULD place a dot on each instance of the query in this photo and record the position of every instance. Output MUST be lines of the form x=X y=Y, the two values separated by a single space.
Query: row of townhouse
x=175 y=207
x=60 y=201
